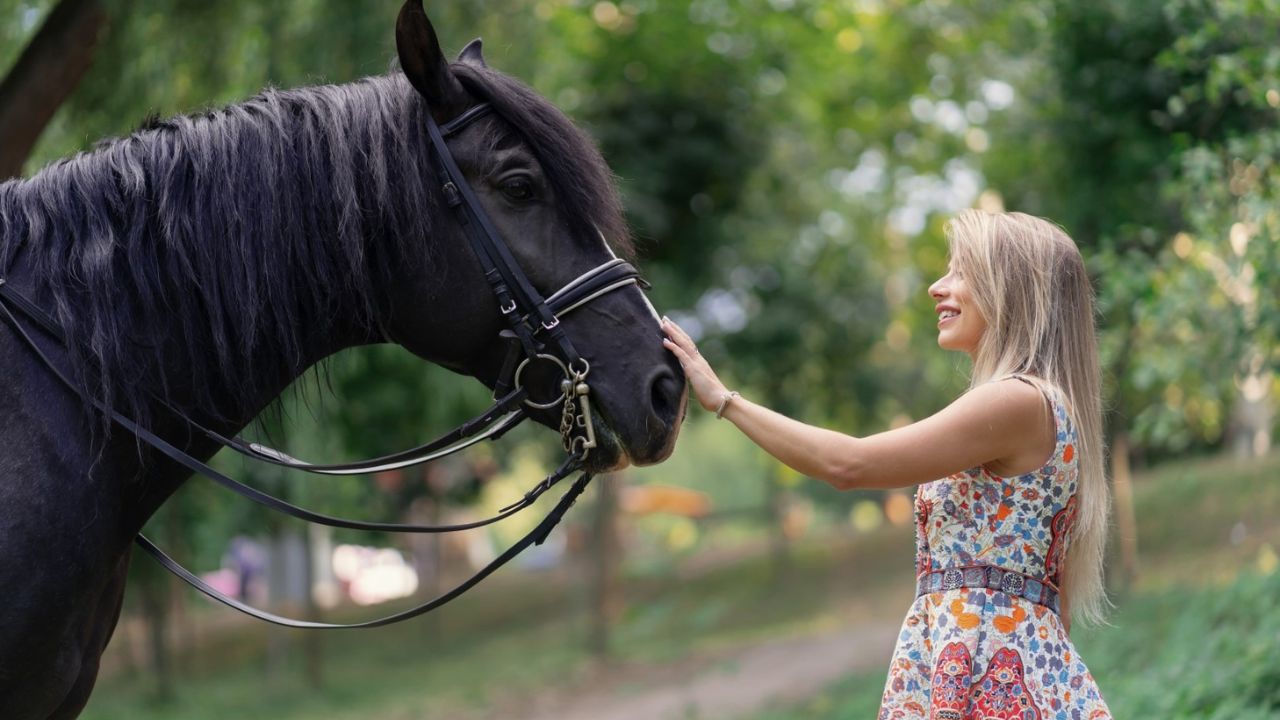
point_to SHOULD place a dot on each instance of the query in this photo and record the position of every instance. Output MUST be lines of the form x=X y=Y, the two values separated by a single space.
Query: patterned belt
x=990 y=577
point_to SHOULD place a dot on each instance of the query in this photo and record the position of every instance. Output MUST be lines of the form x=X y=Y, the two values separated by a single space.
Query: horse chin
x=611 y=454
x=608 y=455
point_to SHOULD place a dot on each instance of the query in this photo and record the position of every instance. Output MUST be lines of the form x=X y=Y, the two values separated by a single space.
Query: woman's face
x=960 y=325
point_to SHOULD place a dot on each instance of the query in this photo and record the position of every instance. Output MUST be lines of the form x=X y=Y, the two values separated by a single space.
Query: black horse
x=203 y=263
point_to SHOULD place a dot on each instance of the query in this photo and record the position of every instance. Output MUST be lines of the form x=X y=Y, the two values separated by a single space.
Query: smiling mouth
x=946 y=315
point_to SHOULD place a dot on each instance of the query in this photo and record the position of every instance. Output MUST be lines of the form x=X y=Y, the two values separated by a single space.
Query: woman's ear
x=424 y=64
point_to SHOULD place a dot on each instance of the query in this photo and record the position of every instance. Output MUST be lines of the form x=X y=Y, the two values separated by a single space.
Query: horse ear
x=423 y=61
x=473 y=54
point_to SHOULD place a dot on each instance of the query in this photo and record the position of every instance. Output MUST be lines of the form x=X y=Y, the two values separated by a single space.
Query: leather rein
x=534 y=334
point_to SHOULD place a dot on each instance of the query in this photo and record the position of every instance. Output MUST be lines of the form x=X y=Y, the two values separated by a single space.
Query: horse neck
x=212 y=259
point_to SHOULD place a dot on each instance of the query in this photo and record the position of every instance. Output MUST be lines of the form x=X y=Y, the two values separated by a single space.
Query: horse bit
x=533 y=324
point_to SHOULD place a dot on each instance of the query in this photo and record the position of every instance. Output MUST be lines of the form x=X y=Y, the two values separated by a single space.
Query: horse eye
x=519 y=188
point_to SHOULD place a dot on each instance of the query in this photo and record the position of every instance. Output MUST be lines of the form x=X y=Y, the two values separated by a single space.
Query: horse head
x=547 y=192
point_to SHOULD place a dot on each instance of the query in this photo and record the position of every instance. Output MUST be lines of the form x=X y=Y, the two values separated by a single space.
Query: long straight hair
x=1030 y=284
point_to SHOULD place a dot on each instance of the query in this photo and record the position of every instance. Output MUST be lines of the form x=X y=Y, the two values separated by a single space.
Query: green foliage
x=1211 y=653
x=18 y=21
x=1148 y=131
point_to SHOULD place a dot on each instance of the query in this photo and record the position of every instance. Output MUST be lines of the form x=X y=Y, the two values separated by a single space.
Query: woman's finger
x=676 y=350
x=675 y=330
x=680 y=337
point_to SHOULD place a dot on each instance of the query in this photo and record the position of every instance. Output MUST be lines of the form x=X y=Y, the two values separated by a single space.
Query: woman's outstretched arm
x=1003 y=424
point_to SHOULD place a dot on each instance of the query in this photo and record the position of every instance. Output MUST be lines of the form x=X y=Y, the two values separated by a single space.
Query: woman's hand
x=706 y=386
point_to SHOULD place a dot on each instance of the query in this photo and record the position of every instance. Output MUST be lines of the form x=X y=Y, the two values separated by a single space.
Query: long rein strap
x=534 y=537
x=537 y=536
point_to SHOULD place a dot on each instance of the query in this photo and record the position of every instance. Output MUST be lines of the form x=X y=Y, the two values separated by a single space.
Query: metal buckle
x=508 y=309
x=451 y=194
x=563 y=392
x=551 y=325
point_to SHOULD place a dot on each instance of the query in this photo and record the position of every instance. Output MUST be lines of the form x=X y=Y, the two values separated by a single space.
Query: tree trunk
x=428 y=557
x=605 y=555
x=1254 y=411
x=1121 y=477
x=312 y=642
x=44 y=76
x=154 y=591
x=1126 y=521
x=777 y=499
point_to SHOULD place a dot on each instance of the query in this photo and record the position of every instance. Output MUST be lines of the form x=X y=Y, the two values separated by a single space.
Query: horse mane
x=213 y=241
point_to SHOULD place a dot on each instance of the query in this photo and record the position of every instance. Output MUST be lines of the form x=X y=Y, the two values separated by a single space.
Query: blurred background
x=787 y=167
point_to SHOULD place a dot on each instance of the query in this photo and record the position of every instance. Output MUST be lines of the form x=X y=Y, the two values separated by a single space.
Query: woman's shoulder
x=1023 y=414
x=1038 y=389
x=1019 y=395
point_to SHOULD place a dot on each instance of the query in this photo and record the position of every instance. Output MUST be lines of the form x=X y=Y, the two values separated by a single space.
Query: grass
x=1208 y=654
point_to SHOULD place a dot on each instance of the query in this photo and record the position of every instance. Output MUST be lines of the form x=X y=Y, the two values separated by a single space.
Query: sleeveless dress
x=983 y=639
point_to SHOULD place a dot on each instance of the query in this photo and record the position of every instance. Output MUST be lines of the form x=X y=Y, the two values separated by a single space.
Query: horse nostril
x=665 y=390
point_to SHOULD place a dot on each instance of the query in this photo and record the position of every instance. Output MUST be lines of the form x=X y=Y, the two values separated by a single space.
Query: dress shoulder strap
x=1048 y=389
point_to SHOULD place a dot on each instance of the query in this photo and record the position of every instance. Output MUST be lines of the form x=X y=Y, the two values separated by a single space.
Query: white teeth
x=947 y=314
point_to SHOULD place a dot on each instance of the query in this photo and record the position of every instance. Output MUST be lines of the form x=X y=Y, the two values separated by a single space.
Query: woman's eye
x=518 y=188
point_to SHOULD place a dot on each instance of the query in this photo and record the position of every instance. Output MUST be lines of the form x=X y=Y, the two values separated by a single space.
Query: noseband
x=534 y=334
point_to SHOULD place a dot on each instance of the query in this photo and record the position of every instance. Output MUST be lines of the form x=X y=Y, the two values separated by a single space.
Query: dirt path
x=728 y=684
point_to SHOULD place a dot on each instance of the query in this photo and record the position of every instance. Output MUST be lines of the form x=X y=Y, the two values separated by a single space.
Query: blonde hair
x=1029 y=282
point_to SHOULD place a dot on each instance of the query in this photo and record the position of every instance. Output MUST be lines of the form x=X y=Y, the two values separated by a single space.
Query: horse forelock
x=585 y=186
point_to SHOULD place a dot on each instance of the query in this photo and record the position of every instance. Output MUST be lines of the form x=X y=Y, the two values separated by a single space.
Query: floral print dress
x=983 y=639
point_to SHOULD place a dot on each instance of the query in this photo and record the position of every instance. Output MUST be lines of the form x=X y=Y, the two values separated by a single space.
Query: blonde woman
x=1012 y=503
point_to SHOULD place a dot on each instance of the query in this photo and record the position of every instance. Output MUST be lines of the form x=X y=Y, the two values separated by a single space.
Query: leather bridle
x=534 y=334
